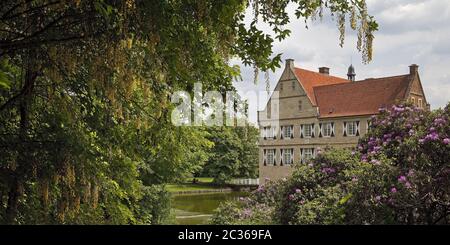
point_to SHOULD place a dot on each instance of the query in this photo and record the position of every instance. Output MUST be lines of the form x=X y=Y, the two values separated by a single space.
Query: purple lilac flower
x=291 y=197
x=298 y=191
x=446 y=141
x=354 y=179
x=421 y=141
x=402 y=178
x=378 y=198
x=375 y=162
x=410 y=173
x=432 y=136
x=408 y=185
x=247 y=212
x=328 y=170
x=394 y=190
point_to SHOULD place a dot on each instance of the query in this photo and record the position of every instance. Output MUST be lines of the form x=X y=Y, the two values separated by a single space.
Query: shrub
x=399 y=174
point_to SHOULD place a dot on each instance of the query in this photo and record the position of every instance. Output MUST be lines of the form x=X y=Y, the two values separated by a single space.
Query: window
x=327 y=129
x=299 y=105
x=268 y=132
x=413 y=100
x=307 y=130
x=287 y=131
x=293 y=85
x=351 y=128
x=419 y=102
x=281 y=86
x=306 y=154
x=369 y=124
x=288 y=156
x=270 y=157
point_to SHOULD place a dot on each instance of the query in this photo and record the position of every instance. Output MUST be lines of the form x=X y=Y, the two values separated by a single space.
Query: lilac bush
x=398 y=174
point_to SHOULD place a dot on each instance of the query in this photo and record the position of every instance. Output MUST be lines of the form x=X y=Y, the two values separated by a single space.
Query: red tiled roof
x=309 y=80
x=362 y=97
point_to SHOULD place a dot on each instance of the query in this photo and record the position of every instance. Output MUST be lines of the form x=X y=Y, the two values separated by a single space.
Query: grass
x=204 y=183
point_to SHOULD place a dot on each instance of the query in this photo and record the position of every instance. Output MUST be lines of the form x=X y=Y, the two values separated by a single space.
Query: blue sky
x=410 y=31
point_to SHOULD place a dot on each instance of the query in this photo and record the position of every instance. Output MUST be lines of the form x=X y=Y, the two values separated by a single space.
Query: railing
x=244 y=182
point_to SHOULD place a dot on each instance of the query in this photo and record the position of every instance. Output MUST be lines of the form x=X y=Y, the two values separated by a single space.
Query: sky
x=410 y=32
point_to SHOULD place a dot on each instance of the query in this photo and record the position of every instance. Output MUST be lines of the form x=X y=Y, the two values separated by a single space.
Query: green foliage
x=234 y=155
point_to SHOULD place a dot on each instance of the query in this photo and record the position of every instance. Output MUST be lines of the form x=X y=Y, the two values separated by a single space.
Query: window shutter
x=274 y=157
x=265 y=157
x=301 y=131
x=320 y=130
x=357 y=128
x=345 y=129
x=332 y=129
x=282 y=132
x=313 y=130
x=301 y=155
x=292 y=155
x=281 y=158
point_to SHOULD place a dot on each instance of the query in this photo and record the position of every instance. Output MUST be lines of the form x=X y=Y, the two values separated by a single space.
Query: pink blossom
x=394 y=190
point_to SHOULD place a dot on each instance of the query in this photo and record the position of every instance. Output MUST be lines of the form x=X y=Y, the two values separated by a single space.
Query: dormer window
x=413 y=100
x=419 y=102
x=299 y=105
x=293 y=85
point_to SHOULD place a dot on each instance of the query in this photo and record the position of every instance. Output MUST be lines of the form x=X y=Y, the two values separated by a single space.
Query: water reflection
x=194 y=209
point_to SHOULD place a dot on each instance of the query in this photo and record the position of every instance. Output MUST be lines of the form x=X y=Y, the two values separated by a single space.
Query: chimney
x=324 y=70
x=290 y=63
x=413 y=69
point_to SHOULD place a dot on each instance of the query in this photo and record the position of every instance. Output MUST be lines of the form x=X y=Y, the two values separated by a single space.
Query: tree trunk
x=23 y=158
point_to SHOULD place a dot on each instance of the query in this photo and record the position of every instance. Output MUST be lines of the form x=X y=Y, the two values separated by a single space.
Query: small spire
x=351 y=75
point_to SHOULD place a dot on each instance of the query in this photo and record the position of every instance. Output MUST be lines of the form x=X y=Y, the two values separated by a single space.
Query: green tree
x=234 y=155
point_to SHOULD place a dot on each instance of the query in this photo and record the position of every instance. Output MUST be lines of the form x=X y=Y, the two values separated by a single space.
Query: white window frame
x=413 y=100
x=272 y=153
x=325 y=131
x=269 y=132
x=308 y=154
x=419 y=102
x=288 y=131
x=305 y=126
x=288 y=156
x=351 y=125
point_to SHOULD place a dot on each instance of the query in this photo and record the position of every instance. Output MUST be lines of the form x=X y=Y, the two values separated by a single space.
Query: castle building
x=315 y=110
